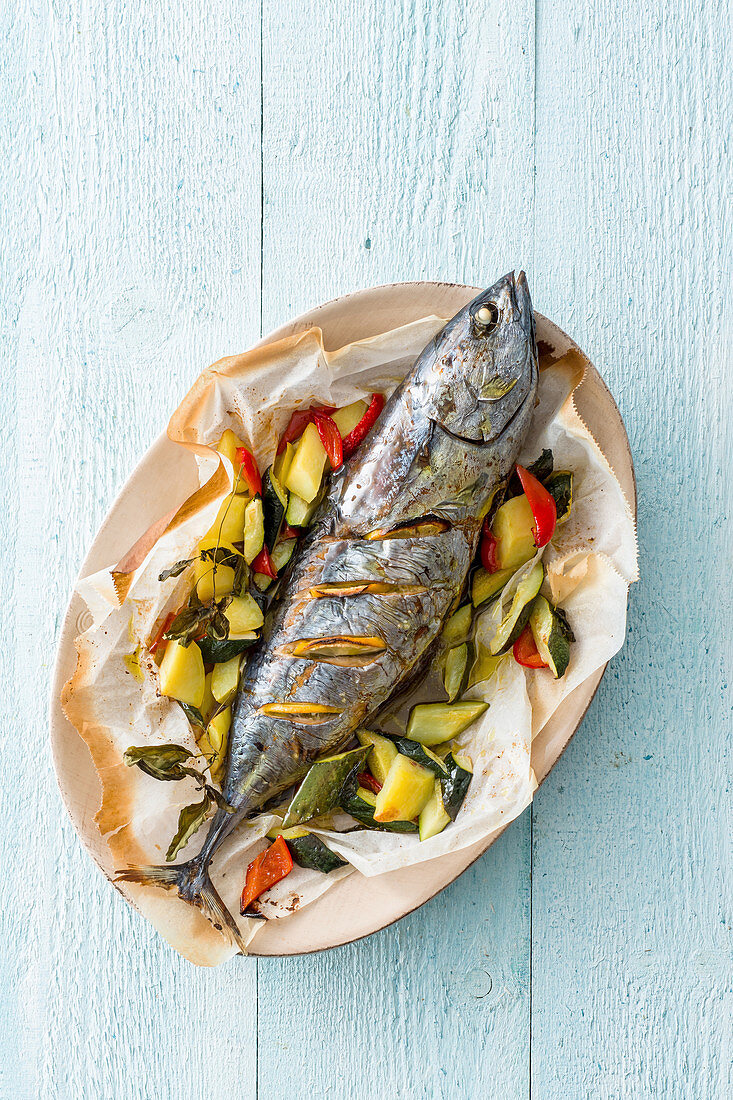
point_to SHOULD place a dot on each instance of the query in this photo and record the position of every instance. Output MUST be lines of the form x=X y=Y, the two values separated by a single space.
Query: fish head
x=481 y=369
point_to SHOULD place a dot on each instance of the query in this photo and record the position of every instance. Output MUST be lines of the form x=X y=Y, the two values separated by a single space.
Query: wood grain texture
x=135 y=259
x=141 y=242
x=631 y=904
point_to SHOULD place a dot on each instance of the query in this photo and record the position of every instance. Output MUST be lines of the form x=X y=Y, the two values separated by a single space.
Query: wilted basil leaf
x=159 y=761
x=565 y=627
x=175 y=570
x=193 y=714
x=190 y=819
x=542 y=468
x=241 y=577
x=219 y=626
x=188 y=623
x=219 y=555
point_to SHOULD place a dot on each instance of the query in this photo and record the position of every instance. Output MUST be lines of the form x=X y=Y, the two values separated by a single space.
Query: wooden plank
x=135 y=261
x=397 y=144
x=632 y=873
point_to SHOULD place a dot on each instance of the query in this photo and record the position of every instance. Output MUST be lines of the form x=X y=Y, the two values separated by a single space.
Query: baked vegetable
x=225 y=679
x=458 y=627
x=181 y=673
x=282 y=553
x=228 y=527
x=433 y=816
x=228 y=446
x=214 y=651
x=321 y=789
x=485 y=585
x=560 y=487
x=254 y=529
x=268 y=868
x=360 y=804
x=309 y=851
x=421 y=754
x=542 y=504
x=274 y=503
x=455 y=673
x=552 y=636
x=433 y=723
x=455 y=785
x=381 y=755
x=347 y=418
x=306 y=469
x=244 y=615
x=299 y=512
x=516 y=618
x=512 y=527
x=406 y=789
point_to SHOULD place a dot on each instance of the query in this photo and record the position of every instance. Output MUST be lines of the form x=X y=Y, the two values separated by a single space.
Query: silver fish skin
x=446 y=440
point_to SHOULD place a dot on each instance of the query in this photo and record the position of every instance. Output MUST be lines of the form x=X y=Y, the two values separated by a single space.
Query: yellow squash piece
x=382 y=753
x=227 y=446
x=225 y=680
x=512 y=529
x=347 y=418
x=182 y=673
x=281 y=464
x=209 y=703
x=229 y=524
x=213 y=582
x=244 y=615
x=217 y=734
x=306 y=470
x=406 y=791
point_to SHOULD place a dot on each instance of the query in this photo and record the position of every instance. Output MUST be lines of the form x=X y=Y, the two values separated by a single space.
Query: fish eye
x=486 y=318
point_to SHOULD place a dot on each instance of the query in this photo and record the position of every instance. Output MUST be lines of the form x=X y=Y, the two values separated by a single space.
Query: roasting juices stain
x=406 y=510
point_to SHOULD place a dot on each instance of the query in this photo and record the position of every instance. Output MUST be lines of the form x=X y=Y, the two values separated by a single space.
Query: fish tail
x=193 y=884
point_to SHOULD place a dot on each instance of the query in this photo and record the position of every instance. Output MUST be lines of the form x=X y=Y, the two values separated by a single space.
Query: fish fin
x=193 y=884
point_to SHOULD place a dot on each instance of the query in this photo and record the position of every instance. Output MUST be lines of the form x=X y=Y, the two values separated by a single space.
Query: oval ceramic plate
x=356 y=906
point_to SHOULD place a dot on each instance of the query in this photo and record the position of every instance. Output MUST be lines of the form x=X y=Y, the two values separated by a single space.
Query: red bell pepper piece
x=488 y=549
x=365 y=779
x=330 y=437
x=263 y=564
x=299 y=421
x=542 y=504
x=288 y=532
x=526 y=652
x=155 y=644
x=355 y=436
x=265 y=870
x=248 y=470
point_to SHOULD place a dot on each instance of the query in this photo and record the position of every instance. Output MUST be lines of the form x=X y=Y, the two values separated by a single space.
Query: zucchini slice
x=382 y=752
x=310 y=851
x=215 y=652
x=300 y=512
x=274 y=503
x=512 y=528
x=455 y=673
x=406 y=790
x=485 y=584
x=254 y=529
x=433 y=723
x=560 y=488
x=348 y=417
x=225 y=679
x=455 y=785
x=321 y=789
x=515 y=620
x=421 y=754
x=306 y=469
x=433 y=817
x=360 y=804
x=281 y=465
x=458 y=627
x=552 y=636
x=282 y=554
x=244 y=615
x=484 y=666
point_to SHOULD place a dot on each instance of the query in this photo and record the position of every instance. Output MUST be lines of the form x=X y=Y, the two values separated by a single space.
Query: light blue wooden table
x=178 y=178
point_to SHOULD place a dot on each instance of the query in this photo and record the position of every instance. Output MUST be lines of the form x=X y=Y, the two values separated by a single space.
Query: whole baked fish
x=382 y=566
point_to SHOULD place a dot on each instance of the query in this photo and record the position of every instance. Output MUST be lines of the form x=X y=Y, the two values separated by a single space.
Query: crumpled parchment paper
x=112 y=698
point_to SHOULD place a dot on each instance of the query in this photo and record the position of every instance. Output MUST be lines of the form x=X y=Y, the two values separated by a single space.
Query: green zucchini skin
x=422 y=755
x=454 y=786
x=455 y=674
x=362 y=811
x=552 y=635
x=321 y=789
x=518 y=617
x=310 y=851
x=274 y=503
x=214 y=652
